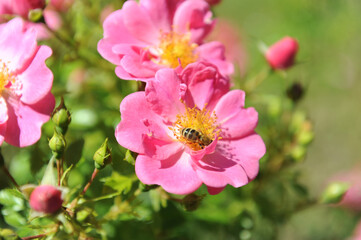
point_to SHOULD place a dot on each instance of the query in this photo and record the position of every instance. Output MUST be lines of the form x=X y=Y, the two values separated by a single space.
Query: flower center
x=176 y=49
x=196 y=128
x=5 y=76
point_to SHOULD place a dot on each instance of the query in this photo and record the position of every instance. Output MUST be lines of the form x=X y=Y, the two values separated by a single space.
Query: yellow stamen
x=203 y=121
x=5 y=76
x=176 y=48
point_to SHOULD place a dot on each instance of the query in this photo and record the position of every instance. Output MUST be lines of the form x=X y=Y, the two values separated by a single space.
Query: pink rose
x=190 y=129
x=25 y=82
x=46 y=199
x=154 y=34
x=281 y=55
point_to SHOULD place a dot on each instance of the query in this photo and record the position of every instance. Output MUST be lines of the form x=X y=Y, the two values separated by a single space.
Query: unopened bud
x=102 y=156
x=57 y=144
x=295 y=92
x=61 y=117
x=334 y=192
x=281 y=55
x=192 y=201
x=36 y=15
x=46 y=199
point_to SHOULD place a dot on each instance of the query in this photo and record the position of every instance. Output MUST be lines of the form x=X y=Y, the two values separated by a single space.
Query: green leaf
x=12 y=199
x=13 y=218
x=129 y=157
x=119 y=183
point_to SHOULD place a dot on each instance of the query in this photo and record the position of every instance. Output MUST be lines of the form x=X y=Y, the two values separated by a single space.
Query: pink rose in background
x=154 y=34
x=281 y=55
x=25 y=82
x=229 y=35
x=61 y=5
x=160 y=123
x=46 y=199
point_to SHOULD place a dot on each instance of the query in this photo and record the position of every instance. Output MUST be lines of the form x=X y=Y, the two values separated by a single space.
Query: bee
x=196 y=137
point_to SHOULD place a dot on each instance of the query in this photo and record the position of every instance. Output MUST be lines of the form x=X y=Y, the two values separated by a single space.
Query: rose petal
x=164 y=94
x=194 y=16
x=175 y=175
x=37 y=79
x=214 y=191
x=235 y=121
x=25 y=121
x=214 y=52
x=139 y=23
x=3 y=111
x=138 y=120
x=17 y=52
x=246 y=151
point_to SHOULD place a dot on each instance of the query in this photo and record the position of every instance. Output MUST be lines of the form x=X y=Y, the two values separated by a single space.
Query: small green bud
x=192 y=201
x=102 y=156
x=36 y=15
x=334 y=192
x=61 y=117
x=145 y=188
x=57 y=144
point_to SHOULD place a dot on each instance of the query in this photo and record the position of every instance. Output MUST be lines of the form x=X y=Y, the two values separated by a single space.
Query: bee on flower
x=189 y=130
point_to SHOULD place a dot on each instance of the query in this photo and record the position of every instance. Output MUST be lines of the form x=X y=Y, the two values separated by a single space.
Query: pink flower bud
x=46 y=199
x=281 y=55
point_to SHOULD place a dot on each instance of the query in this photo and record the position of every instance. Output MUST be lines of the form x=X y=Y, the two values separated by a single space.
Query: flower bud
x=102 y=156
x=334 y=192
x=46 y=199
x=36 y=15
x=295 y=92
x=61 y=117
x=192 y=201
x=281 y=55
x=57 y=144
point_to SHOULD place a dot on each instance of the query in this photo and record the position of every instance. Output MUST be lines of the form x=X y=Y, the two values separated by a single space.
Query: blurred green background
x=329 y=35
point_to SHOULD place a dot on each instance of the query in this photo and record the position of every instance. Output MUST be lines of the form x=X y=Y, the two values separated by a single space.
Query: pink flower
x=158 y=125
x=25 y=82
x=143 y=38
x=46 y=199
x=281 y=55
x=61 y=5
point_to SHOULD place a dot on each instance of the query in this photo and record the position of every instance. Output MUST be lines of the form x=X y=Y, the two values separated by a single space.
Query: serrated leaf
x=119 y=183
